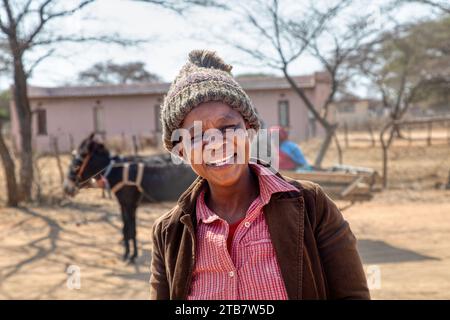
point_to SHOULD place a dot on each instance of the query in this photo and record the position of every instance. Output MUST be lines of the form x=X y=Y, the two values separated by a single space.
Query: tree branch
x=24 y=11
x=179 y=6
x=39 y=60
x=110 y=39
x=45 y=17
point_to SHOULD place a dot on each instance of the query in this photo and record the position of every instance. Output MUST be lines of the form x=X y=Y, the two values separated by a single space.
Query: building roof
x=351 y=98
x=248 y=83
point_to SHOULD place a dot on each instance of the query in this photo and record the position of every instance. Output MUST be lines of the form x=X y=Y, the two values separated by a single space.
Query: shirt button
x=247 y=224
x=231 y=274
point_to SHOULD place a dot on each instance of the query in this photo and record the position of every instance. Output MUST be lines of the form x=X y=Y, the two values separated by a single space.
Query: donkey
x=131 y=179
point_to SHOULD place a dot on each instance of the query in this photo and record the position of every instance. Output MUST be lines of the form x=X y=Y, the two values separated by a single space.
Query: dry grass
x=416 y=166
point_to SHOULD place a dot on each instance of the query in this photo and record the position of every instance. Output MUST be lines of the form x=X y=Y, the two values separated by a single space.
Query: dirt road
x=405 y=235
x=406 y=240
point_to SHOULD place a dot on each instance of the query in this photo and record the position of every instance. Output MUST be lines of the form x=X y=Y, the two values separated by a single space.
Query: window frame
x=286 y=116
x=41 y=122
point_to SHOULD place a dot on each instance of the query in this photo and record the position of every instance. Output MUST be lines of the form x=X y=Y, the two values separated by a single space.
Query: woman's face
x=218 y=149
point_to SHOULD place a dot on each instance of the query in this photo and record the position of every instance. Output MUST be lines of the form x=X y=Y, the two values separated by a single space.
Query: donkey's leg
x=125 y=231
x=129 y=197
x=137 y=197
x=132 y=215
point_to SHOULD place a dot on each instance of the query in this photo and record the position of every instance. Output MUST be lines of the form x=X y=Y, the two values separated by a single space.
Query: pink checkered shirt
x=251 y=272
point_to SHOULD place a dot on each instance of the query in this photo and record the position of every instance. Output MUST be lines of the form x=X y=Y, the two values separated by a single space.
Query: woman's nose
x=214 y=143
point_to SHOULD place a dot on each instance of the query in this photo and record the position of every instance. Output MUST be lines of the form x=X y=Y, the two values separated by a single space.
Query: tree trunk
x=23 y=110
x=329 y=133
x=385 y=165
x=339 y=149
x=329 y=128
x=9 y=168
x=398 y=132
x=372 y=136
x=385 y=148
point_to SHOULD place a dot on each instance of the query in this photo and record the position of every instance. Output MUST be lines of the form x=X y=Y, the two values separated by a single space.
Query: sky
x=169 y=36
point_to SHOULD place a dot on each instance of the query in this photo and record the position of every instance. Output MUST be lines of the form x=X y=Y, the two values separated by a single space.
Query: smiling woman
x=219 y=163
x=240 y=231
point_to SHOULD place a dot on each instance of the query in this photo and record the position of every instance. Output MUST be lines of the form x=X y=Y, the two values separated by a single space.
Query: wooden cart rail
x=342 y=185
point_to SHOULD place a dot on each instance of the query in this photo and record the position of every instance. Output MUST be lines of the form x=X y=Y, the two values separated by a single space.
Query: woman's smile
x=224 y=162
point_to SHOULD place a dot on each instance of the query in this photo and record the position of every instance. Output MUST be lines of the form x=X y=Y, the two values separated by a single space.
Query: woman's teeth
x=221 y=162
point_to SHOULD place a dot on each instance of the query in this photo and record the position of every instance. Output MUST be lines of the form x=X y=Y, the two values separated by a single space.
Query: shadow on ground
x=376 y=251
x=141 y=269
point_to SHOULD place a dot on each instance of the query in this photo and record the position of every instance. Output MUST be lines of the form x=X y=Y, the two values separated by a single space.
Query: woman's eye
x=230 y=127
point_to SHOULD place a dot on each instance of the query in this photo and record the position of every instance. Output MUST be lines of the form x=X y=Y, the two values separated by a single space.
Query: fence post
x=124 y=142
x=135 y=146
x=430 y=128
x=372 y=135
x=346 y=134
x=55 y=148
x=71 y=142
x=448 y=131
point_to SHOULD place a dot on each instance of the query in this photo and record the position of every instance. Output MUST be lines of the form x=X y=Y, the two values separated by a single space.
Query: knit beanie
x=205 y=77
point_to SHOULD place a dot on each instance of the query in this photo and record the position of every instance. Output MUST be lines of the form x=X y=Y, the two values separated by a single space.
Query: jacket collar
x=285 y=220
x=188 y=199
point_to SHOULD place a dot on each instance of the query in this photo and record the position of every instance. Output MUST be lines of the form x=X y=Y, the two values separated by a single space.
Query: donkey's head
x=89 y=161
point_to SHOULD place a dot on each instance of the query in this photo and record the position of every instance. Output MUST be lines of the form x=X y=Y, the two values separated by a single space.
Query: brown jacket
x=314 y=245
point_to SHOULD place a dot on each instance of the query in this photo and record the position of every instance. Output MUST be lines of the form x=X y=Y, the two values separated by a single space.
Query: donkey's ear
x=91 y=136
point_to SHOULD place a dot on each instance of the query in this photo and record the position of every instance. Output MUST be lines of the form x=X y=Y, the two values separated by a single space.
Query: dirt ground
x=403 y=234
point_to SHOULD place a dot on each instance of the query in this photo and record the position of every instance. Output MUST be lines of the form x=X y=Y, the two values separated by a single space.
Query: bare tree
x=281 y=39
x=25 y=26
x=5 y=155
x=9 y=168
x=28 y=26
x=405 y=65
x=400 y=66
x=113 y=73
x=342 y=41
x=15 y=20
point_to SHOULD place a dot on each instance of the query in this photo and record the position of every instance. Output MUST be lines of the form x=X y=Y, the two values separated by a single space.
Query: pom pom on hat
x=208 y=59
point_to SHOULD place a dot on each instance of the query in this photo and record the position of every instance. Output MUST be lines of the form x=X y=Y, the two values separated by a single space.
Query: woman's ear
x=179 y=153
x=251 y=133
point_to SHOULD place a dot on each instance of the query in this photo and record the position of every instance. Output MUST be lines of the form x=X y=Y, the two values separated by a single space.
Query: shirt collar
x=203 y=213
x=269 y=183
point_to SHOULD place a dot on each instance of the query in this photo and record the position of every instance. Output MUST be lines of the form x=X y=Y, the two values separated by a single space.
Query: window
x=158 y=118
x=41 y=115
x=283 y=113
x=348 y=108
x=99 y=125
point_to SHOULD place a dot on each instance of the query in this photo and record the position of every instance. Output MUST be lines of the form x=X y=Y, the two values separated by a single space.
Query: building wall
x=72 y=119
x=353 y=113
x=357 y=114
x=266 y=102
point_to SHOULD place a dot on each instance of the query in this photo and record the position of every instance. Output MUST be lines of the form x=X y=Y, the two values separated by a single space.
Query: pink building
x=69 y=114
